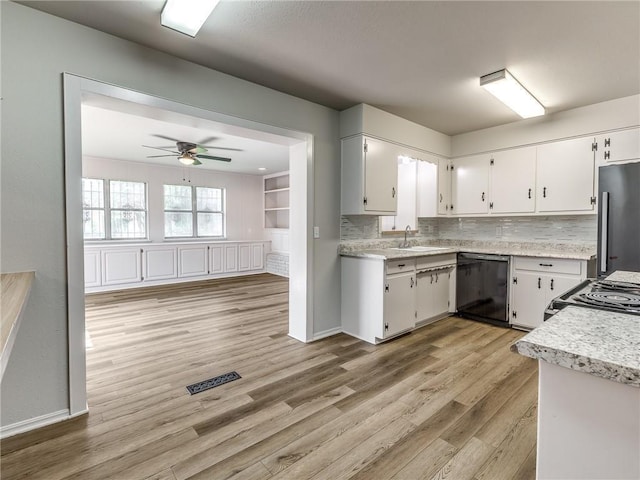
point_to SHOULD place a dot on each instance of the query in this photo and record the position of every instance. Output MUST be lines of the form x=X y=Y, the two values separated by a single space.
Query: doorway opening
x=79 y=90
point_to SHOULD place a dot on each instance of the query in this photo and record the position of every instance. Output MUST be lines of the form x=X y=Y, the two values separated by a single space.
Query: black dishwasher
x=482 y=287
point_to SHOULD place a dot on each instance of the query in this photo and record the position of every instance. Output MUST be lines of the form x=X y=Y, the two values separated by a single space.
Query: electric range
x=621 y=297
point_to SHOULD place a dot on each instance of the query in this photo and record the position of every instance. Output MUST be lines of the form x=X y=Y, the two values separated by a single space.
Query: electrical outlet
x=316 y=232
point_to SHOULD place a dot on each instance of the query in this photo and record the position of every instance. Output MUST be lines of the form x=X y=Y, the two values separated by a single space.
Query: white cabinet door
x=440 y=293
x=565 y=174
x=444 y=186
x=369 y=176
x=121 y=266
x=529 y=299
x=399 y=304
x=160 y=263
x=619 y=146
x=470 y=185
x=244 y=257
x=257 y=256
x=92 y=268
x=513 y=177
x=427 y=188
x=380 y=176
x=432 y=294
x=193 y=261
x=231 y=258
x=216 y=259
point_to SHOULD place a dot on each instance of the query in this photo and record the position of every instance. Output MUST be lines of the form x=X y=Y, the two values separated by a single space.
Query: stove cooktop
x=608 y=295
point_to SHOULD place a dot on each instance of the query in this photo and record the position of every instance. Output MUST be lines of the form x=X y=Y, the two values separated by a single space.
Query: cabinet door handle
x=436 y=278
x=483 y=196
x=546 y=264
x=412 y=282
x=539 y=283
x=552 y=284
x=401 y=265
x=529 y=193
x=544 y=192
x=393 y=192
x=440 y=198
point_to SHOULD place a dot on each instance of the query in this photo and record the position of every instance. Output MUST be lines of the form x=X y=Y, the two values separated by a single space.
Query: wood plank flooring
x=448 y=401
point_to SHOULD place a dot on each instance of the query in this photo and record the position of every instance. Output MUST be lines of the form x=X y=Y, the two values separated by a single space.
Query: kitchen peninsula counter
x=589 y=392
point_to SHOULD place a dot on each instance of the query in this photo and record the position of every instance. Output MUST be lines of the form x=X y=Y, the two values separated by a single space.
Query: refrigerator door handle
x=604 y=231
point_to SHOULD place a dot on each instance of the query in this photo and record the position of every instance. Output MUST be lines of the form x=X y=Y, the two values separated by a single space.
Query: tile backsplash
x=573 y=229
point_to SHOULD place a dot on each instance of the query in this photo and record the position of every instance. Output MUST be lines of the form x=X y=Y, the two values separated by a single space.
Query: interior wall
x=590 y=120
x=243 y=193
x=35 y=383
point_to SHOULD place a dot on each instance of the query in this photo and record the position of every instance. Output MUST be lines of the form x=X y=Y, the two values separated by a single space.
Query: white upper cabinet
x=470 y=185
x=565 y=176
x=369 y=176
x=513 y=174
x=618 y=146
x=427 y=187
x=444 y=186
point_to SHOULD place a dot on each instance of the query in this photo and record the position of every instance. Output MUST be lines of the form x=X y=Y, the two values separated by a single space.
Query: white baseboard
x=326 y=333
x=36 y=422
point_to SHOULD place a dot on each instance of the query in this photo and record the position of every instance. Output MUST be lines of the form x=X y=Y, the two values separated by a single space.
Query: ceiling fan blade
x=199 y=149
x=166 y=149
x=221 y=148
x=164 y=137
x=207 y=140
x=158 y=156
x=196 y=162
x=210 y=157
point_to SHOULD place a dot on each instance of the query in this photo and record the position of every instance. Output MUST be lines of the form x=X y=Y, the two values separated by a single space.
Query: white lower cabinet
x=244 y=257
x=160 y=263
x=537 y=281
x=92 y=268
x=192 y=261
x=231 y=258
x=381 y=299
x=121 y=266
x=108 y=267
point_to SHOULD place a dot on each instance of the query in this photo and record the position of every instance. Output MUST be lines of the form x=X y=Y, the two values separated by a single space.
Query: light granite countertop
x=622 y=276
x=384 y=249
x=598 y=342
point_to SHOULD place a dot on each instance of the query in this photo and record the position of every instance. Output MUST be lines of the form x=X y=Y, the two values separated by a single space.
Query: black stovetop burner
x=623 y=297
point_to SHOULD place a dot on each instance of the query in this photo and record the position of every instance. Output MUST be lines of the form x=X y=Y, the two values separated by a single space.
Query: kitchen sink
x=420 y=249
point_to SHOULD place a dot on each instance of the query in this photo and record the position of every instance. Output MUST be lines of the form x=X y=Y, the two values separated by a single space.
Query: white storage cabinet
x=369 y=176
x=435 y=282
x=512 y=181
x=618 y=146
x=537 y=281
x=470 y=185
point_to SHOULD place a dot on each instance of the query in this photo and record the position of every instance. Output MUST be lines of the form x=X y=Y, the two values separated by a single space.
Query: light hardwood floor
x=448 y=401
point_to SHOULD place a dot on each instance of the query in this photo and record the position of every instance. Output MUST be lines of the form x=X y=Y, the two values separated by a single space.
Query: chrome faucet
x=405 y=244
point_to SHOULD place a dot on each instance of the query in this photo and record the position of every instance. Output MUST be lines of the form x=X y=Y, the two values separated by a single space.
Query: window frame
x=194 y=213
x=106 y=191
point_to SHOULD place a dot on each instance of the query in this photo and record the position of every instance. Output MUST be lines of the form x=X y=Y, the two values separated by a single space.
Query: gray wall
x=39 y=48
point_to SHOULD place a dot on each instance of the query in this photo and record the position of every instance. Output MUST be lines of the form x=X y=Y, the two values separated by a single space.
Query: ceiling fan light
x=186 y=159
x=186 y=16
x=508 y=90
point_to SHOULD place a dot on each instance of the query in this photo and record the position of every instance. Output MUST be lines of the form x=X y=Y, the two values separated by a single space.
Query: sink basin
x=420 y=249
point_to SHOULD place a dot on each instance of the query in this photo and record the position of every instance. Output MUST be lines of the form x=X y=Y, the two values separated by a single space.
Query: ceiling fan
x=189 y=153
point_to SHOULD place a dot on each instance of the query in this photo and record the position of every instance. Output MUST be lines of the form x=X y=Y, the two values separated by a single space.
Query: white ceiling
x=119 y=130
x=421 y=60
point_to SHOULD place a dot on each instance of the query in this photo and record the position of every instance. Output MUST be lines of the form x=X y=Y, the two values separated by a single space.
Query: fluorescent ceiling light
x=505 y=87
x=186 y=16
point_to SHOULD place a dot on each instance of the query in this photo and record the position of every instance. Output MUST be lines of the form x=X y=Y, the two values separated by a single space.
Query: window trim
x=106 y=192
x=194 y=213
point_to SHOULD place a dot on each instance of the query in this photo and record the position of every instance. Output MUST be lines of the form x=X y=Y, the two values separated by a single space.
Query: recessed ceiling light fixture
x=262 y=169
x=186 y=16
x=507 y=89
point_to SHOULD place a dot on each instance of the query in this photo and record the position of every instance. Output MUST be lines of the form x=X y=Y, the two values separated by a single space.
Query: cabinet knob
x=483 y=196
x=529 y=193
x=393 y=192
x=544 y=192
x=539 y=283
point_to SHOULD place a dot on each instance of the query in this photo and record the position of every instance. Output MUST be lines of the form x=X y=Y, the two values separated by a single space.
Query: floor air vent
x=213 y=382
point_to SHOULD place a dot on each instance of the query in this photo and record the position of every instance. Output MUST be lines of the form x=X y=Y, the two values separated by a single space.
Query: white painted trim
x=37 y=422
x=327 y=333
x=301 y=147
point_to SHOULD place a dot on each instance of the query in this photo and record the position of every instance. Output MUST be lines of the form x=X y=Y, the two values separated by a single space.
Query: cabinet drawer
x=401 y=265
x=435 y=261
x=551 y=265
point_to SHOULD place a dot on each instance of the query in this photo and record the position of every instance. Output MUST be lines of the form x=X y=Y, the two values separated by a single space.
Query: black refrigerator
x=618 y=218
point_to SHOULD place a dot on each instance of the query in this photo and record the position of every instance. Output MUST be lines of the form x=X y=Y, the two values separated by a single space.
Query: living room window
x=191 y=211
x=114 y=209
